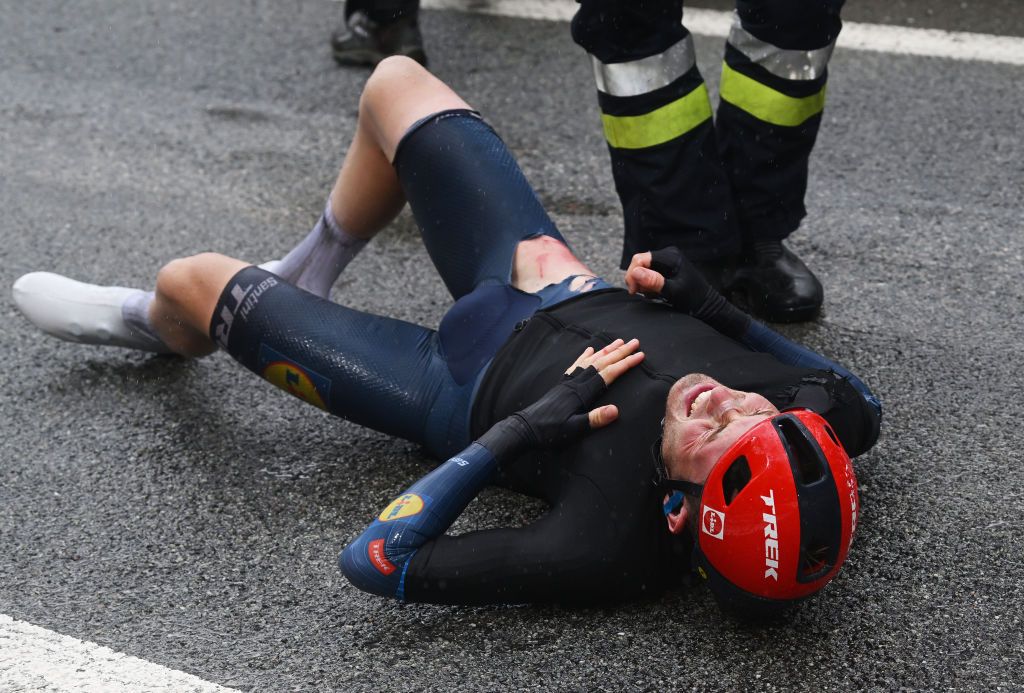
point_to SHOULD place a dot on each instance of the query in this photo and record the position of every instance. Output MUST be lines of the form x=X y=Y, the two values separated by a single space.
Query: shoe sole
x=359 y=58
x=370 y=58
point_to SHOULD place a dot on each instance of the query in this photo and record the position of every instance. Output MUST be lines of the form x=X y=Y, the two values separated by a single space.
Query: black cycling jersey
x=604 y=536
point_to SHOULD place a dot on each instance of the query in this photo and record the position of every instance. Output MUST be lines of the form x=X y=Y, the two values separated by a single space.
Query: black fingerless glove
x=689 y=292
x=560 y=416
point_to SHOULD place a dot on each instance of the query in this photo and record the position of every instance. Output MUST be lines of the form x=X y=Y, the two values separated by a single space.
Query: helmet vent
x=735 y=478
x=831 y=434
x=809 y=462
x=821 y=523
x=815 y=561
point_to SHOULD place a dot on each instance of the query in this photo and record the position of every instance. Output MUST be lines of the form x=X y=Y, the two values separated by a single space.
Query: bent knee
x=195 y=283
x=399 y=93
x=397 y=65
x=392 y=73
x=184 y=275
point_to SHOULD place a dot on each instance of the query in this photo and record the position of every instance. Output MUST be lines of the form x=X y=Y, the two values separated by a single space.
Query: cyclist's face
x=703 y=418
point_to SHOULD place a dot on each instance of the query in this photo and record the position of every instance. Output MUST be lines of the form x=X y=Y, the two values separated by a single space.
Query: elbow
x=347 y=563
x=380 y=577
x=874 y=417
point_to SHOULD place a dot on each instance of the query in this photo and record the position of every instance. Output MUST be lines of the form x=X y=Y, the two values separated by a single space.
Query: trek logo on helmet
x=771 y=538
x=713 y=523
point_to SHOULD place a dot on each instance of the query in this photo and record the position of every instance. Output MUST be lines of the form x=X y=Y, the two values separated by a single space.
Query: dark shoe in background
x=362 y=41
x=768 y=281
x=772 y=283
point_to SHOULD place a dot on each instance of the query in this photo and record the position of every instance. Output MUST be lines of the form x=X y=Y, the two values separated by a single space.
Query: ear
x=677 y=520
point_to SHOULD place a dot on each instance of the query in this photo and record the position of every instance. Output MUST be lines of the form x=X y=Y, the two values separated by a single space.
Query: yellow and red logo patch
x=293 y=380
x=404 y=506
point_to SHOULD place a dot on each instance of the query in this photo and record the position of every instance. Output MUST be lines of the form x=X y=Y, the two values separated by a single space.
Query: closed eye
x=714 y=434
x=703 y=438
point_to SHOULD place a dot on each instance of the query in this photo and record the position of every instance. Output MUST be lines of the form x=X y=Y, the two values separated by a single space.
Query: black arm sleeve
x=562 y=557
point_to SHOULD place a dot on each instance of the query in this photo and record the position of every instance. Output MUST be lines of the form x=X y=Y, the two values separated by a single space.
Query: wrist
x=716 y=311
x=507 y=438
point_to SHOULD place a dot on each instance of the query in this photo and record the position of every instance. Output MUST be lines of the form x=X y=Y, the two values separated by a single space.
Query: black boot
x=773 y=284
x=362 y=41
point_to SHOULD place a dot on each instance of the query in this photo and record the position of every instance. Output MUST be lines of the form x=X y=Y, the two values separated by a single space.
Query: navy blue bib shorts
x=473 y=206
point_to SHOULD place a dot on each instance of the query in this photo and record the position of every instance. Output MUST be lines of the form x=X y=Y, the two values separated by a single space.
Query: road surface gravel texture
x=187 y=513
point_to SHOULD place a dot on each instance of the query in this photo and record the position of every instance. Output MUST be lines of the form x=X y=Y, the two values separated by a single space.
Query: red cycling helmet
x=777 y=514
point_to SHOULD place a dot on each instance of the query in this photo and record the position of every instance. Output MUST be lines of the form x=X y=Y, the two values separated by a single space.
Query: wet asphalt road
x=189 y=514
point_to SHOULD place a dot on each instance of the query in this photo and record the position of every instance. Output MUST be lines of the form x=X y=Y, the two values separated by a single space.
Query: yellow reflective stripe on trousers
x=764 y=103
x=660 y=125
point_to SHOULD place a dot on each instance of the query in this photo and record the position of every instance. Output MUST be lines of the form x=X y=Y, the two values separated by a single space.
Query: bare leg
x=365 y=198
x=367 y=194
x=399 y=93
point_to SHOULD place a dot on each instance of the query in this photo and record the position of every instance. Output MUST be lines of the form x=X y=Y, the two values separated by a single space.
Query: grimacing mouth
x=696 y=391
x=701 y=397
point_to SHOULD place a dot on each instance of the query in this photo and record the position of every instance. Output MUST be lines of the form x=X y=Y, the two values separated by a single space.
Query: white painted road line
x=36 y=659
x=935 y=43
x=881 y=38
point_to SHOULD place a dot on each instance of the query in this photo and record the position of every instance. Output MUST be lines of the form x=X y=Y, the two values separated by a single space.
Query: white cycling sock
x=317 y=261
x=135 y=311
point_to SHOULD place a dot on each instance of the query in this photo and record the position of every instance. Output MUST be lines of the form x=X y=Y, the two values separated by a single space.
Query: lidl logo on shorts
x=405 y=505
x=302 y=382
x=713 y=523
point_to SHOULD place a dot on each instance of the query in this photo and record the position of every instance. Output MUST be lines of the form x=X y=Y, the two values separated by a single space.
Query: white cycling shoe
x=79 y=312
